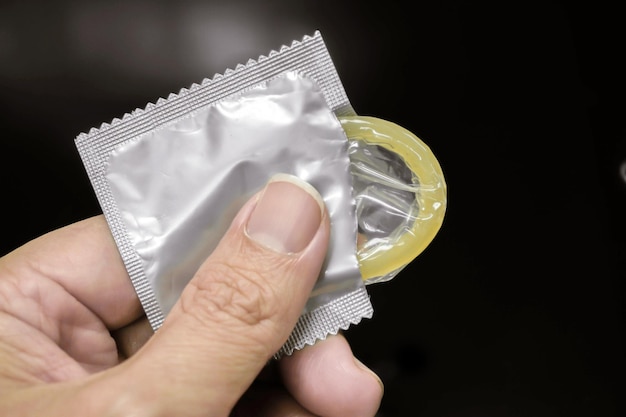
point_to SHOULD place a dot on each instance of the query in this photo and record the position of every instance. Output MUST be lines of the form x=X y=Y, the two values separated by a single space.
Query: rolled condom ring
x=381 y=258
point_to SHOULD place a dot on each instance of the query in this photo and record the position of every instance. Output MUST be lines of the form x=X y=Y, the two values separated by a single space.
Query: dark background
x=516 y=308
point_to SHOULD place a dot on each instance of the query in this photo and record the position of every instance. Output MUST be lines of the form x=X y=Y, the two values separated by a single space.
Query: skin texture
x=74 y=340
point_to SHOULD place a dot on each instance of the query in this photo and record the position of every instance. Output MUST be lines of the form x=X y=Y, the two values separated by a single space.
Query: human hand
x=74 y=340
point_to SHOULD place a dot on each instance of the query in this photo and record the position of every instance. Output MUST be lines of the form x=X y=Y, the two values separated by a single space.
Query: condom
x=414 y=204
x=170 y=178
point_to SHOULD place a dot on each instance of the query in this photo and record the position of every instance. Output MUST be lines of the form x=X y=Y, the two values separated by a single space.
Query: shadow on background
x=516 y=308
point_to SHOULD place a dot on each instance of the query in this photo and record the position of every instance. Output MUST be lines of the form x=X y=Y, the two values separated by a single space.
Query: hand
x=74 y=340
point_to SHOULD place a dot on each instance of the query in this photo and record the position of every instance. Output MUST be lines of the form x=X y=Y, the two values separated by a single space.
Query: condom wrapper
x=171 y=177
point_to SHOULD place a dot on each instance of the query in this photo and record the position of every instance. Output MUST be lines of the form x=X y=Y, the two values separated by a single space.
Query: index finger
x=83 y=258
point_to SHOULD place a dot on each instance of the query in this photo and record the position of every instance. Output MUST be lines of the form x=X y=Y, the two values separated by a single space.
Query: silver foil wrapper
x=171 y=177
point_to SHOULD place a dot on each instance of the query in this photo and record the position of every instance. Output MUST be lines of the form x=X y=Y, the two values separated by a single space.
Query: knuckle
x=232 y=294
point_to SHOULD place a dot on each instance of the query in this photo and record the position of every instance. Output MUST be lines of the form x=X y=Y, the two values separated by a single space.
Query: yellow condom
x=381 y=258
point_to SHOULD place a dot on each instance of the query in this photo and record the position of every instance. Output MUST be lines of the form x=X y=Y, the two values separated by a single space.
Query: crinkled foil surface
x=178 y=188
x=171 y=176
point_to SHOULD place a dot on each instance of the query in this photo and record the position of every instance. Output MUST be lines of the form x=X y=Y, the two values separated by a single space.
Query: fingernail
x=287 y=214
x=361 y=365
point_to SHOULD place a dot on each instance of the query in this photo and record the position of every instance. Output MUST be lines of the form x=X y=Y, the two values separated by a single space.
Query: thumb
x=240 y=306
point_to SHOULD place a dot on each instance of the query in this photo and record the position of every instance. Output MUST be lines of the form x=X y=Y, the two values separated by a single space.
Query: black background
x=516 y=308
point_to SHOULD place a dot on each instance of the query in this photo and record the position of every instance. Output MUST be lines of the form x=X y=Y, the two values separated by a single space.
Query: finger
x=269 y=401
x=329 y=381
x=83 y=259
x=240 y=306
x=129 y=339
